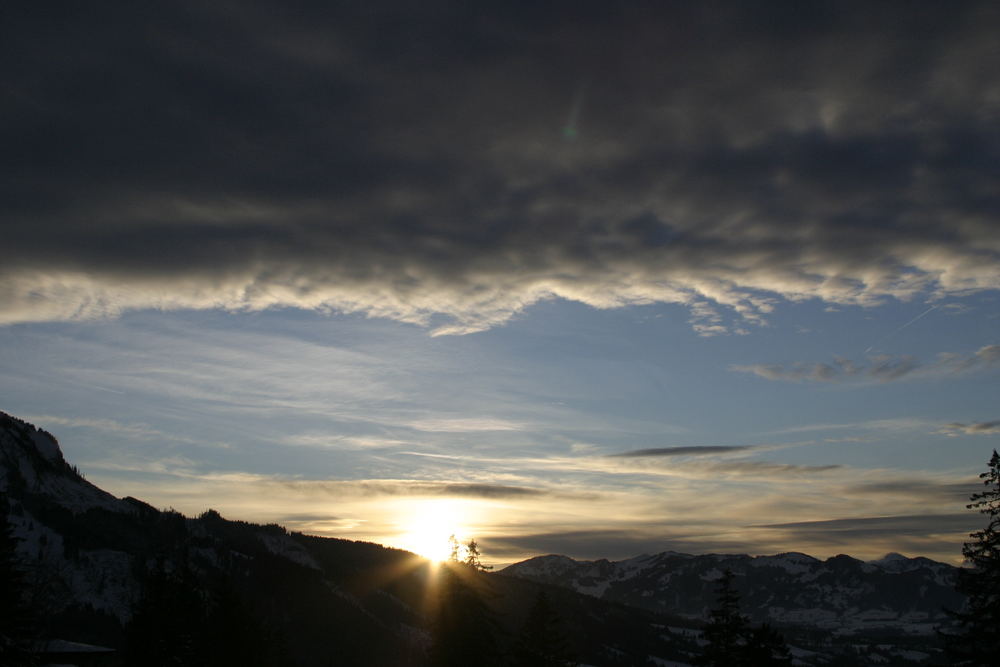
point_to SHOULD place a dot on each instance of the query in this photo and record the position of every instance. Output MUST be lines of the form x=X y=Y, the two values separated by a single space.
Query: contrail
x=893 y=333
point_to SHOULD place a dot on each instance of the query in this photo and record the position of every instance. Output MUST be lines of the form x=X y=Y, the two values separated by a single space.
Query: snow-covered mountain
x=61 y=523
x=841 y=595
x=32 y=463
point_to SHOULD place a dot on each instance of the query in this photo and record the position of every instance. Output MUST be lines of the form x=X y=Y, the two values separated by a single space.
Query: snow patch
x=284 y=546
x=596 y=590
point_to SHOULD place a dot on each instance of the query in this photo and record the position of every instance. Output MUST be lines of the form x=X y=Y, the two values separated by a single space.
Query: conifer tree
x=542 y=642
x=732 y=642
x=726 y=629
x=978 y=640
x=472 y=557
x=16 y=627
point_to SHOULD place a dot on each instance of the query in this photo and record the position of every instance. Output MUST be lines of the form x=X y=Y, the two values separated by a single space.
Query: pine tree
x=542 y=642
x=726 y=629
x=16 y=627
x=978 y=640
x=472 y=557
x=733 y=642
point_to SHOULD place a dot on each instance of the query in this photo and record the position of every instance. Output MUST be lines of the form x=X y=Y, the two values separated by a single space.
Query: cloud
x=477 y=490
x=330 y=159
x=767 y=468
x=679 y=451
x=852 y=529
x=464 y=425
x=696 y=467
x=133 y=431
x=936 y=536
x=975 y=428
x=180 y=468
x=922 y=490
x=898 y=425
x=646 y=463
x=880 y=368
x=985 y=357
x=611 y=544
x=328 y=441
x=378 y=488
x=706 y=320
x=309 y=518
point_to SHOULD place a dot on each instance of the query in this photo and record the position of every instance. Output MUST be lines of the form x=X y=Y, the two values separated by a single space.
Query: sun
x=429 y=525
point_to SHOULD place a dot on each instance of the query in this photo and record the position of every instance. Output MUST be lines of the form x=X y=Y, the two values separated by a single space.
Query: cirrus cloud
x=881 y=368
x=975 y=428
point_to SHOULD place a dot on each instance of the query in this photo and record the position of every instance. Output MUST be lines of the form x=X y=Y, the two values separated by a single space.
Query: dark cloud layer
x=610 y=544
x=939 y=493
x=409 y=161
x=415 y=488
x=679 y=451
x=841 y=531
x=925 y=534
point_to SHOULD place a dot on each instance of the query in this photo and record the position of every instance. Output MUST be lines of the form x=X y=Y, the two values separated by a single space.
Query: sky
x=598 y=279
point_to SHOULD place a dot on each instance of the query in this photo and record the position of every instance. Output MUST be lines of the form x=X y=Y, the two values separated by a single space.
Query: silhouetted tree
x=542 y=642
x=977 y=641
x=472 y=557
x=16 y=618
x=726 y=629
x=732 y=641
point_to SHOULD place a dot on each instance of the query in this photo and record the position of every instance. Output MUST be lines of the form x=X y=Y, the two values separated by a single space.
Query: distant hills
x=122 y=574
x=841 y=595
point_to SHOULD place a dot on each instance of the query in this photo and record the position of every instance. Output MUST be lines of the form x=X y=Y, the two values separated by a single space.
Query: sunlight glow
x=428 y=526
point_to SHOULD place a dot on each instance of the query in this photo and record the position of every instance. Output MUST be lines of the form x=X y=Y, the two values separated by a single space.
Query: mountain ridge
x=97 y=558
x=841 y=594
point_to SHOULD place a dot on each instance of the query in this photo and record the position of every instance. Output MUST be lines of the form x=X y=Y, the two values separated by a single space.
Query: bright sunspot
x=429 y=525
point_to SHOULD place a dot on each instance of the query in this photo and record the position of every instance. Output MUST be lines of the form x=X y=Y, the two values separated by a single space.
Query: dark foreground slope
x=161 y=588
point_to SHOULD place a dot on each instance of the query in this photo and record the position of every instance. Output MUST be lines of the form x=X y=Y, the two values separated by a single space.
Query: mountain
x=162 y=588
x=892 y=606
x=842 y=595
